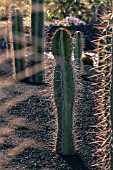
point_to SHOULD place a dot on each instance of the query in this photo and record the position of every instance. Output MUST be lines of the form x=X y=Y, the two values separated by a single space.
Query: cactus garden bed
x=29 y=119
x=56 y=99
x=28 y=124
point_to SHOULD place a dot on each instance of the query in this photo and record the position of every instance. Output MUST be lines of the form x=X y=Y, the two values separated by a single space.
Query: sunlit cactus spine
x=105 y=52
x=63 y=90
x=37 y=31
x=78 y=50
x=111 y=92
x=17 y=40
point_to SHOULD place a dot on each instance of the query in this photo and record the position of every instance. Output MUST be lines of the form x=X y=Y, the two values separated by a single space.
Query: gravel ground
x=28 y=124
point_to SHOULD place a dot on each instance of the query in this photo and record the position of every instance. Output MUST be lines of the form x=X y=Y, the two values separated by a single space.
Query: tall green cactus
x=63 y=90
x=18 y=60
x=78 y=50
x=37 y=30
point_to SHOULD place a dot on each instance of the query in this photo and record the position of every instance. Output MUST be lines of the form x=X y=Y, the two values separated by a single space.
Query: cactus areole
x=37 y=30
x=63 y=90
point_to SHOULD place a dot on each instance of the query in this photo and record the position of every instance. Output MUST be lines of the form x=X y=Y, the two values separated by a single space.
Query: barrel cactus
x=17 y=43
x=105 y=95
x=63 y=90
x=37 y=31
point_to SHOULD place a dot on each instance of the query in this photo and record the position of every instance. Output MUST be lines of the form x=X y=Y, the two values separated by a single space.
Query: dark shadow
x=6 y=146
x=32 y=108
x=34 y=159
x=27 y=81
x=3 y=121
x=86 y=120
x=35 y=109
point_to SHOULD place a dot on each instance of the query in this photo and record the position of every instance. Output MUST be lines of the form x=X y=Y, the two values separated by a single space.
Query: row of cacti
x=17 y=39
x=64 y=92
x=64 y=84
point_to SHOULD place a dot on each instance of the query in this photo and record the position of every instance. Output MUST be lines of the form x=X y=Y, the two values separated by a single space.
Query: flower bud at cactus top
x=18 y=42
x=63 y=90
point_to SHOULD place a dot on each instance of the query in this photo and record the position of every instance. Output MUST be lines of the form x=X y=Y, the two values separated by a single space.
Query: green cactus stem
x=37 y=31
x=78 y=50
x=63 y=90
x=18 y=60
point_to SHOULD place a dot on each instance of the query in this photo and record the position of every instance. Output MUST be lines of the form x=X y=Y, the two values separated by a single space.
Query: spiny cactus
x=105 y=101
x=37 y=31
x=17 y=40
x=63 y=90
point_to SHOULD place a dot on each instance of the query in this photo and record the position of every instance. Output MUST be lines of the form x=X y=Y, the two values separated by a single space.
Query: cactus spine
x=112 y=89
x=37 y=31
x=18 y=60
x=63 y=90
x=106 y=70
x=78 y=50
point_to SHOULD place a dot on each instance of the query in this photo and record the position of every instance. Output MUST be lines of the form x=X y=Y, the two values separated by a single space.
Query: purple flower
x=76 y=20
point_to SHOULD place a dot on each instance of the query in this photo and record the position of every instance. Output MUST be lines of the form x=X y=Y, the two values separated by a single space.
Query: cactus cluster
x=64 y=85
x=64 y=81
x=17 y=42
x=63 y=90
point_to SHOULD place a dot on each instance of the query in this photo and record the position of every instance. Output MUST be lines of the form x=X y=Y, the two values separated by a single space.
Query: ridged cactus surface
x=18 y=60
x=63 y=90
x=37 y=31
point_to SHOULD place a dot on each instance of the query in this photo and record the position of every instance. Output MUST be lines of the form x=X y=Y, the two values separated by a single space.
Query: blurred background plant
x=85 y=10
x=23 y=4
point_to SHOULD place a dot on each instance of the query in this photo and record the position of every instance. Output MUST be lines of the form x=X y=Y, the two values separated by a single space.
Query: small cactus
x=17 y=29
x=63 y=90
x=78 y=50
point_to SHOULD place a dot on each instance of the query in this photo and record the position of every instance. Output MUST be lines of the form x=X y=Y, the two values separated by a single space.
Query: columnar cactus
x=37 y=31
x=63 y=90
x=78 y=50
x=18 y=60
